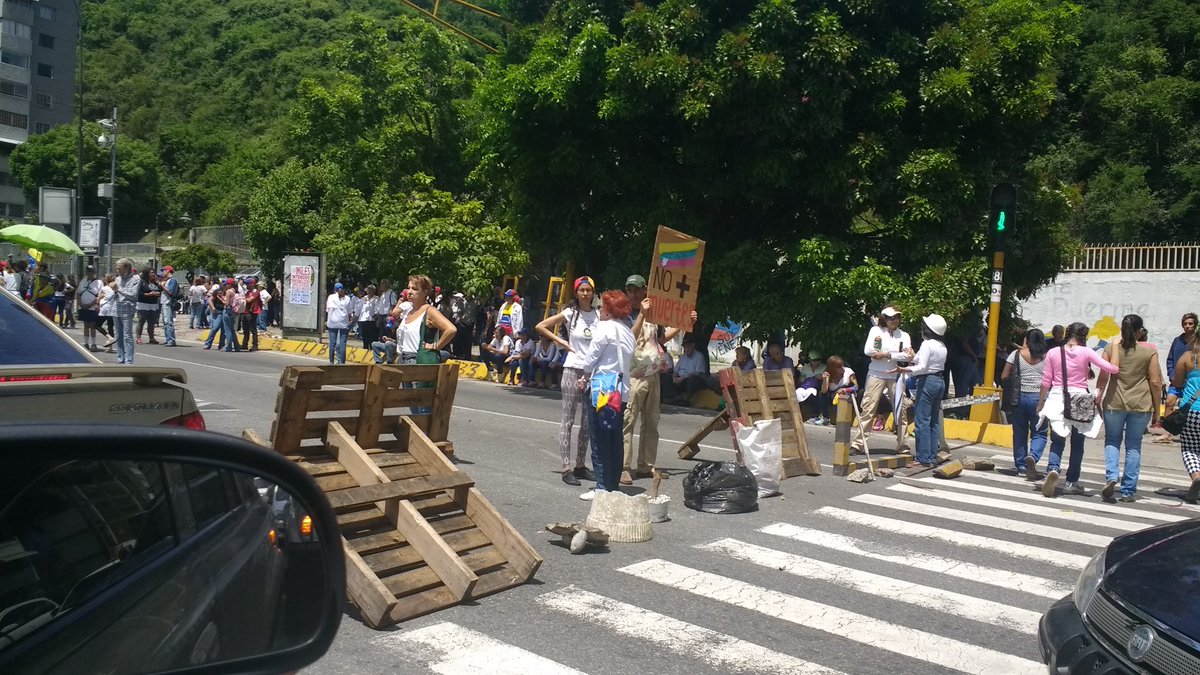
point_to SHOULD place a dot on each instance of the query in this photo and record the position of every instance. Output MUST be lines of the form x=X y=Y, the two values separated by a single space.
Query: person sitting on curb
x=546 y=362
x=521 y=354
x=691 y=375
x=775 y=359
x=384 y=349
x=742 y=358
x=495 y=353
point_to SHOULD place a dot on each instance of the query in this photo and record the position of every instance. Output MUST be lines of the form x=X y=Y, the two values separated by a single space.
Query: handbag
x=426 y=357
x=1173 y=424
x=1079 y=407
x=1012 y=386
x=606 y=399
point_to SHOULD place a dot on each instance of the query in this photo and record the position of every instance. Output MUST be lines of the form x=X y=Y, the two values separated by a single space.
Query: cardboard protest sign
x=674 y=278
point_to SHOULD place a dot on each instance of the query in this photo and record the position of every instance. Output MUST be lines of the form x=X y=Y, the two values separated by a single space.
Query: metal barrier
x=1137 y=258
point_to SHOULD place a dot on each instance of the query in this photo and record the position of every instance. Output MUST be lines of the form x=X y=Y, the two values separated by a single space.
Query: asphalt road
x=913 y=577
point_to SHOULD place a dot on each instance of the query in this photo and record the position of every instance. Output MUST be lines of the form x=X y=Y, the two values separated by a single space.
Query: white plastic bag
x=762 y=453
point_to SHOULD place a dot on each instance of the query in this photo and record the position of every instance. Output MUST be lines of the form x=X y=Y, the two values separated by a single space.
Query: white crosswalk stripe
x=1097 y=471
x=451 y=649
x=1064 y=503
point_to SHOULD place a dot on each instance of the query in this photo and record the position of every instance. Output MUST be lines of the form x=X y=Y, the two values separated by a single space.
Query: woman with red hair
x=606 y=376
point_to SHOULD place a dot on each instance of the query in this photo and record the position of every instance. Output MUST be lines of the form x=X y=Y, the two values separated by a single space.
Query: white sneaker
x=588 y=496
x=1074 y=488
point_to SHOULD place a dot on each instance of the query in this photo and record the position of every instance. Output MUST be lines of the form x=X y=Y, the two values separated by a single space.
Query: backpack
x=239 y=303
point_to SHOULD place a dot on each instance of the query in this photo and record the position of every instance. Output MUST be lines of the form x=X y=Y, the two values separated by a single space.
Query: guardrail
x=1137 y=258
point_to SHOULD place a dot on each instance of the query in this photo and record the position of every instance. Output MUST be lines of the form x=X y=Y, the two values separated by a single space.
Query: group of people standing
x=404 y=328
x=126 y=305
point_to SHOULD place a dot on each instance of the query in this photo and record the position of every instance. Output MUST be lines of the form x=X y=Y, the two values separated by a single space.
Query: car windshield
x=27 y=341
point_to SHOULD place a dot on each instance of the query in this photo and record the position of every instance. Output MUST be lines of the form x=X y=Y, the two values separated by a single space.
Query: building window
x=11 y=88
x=46 y=70
x=14 y=59
x=44 y=100
x=46 y=41
x=46 y=12
x=41 y=127
x=14 y=210
x=7 y=178
x=12 y=119
x=10 y=27
x=24 y=4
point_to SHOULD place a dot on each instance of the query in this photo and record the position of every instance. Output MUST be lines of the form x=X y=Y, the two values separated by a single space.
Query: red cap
x=168 y=268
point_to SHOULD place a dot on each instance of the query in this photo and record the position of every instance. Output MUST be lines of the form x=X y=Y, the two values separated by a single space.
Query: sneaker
x=152 y=341
x=584 y=473
x=1048 y=485
x=1031 y=472
x=111 y=342
x=644 y=473
x=626 y=479
x=588 y=496
x=1074 y=488
x=1127 y=498
x=1193 y=492
x=1109 y=488
x=139 y=341
x=569 y=478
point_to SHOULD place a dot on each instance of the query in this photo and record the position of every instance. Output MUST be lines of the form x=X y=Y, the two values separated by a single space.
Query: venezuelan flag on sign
x=682 y=254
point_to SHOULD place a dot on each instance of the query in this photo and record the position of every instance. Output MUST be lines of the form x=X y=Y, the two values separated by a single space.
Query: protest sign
x=674 y=279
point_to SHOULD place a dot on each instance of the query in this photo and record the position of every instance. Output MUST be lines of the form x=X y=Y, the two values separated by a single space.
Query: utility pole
x=1001 y=221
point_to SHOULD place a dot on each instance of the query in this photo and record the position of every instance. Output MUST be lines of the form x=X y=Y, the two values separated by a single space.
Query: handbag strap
x=1066 y=394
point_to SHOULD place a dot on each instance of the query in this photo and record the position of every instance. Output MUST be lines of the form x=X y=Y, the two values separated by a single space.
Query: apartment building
x=37 y=81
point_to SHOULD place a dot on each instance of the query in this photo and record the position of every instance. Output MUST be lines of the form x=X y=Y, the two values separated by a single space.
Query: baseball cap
x=338 y=286
x=168 y=268
x=890 y=312
x=509 y=293
x=636 y=280
x=584 y=280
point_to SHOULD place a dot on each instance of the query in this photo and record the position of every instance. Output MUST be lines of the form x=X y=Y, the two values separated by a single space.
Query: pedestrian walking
x=253 y=309
x=1063 y=401
x=107 y=309
x=195 y=299
x=579 y=319
x=216 y=312
x=368 y=327
x=128 y=286
x=1029 y=434
x=234 y=306
x=1130 y=401
x=170 y=295
x=337 y=319
x=888 y=347
x=1185 y=390
x=89 y=308
x=149 y=295
x=1182 y=343
x=606 y=376
x=928 y=367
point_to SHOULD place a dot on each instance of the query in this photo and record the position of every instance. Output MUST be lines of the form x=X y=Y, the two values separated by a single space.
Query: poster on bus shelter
x=674 y=279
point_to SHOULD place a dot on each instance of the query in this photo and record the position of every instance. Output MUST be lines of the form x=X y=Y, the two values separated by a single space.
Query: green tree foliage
x=288 y=208
x=196 y=257
x=831 y=154
x=49 y=159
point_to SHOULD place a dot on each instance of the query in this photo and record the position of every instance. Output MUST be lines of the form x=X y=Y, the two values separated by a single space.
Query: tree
x=196 y=257
x=289 y=207
x=832 y=155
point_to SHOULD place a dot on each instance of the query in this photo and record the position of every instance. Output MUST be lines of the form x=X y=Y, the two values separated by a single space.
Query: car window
x=207 y=493
x=24 y=613
x=26 y=341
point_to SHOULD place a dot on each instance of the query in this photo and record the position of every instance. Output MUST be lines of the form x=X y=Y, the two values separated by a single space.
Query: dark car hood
x=1160 y=575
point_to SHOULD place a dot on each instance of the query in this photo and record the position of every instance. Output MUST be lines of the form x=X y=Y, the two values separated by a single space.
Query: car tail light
x=271 y=536
x=192 y=420
x=33 y=378
x=306 y=526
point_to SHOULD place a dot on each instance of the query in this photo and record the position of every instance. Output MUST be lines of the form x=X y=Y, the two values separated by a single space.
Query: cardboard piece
x=674 y=279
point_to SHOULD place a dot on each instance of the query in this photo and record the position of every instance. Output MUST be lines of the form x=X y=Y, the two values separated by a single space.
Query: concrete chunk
x=860 y=476
x=949 y=470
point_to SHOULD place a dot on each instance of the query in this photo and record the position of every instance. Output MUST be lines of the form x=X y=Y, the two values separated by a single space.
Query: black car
x=1135 y=609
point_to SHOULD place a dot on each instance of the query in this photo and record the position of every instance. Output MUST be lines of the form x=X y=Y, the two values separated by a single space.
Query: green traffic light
x=1000 y=222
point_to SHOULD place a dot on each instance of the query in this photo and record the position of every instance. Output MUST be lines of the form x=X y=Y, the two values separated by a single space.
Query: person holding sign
x=580 y=320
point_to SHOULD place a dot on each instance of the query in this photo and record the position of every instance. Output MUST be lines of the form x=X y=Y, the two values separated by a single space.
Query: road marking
x=1067 y=503
x=894 y=526
x=451 y=649
x=996 y=522
x=1026 y=583
x=273 y=376
x=1133 y=510
x=1058 y=510
x=1098 y=470
x=927 y=597
x=928 y=647
x=720 y=651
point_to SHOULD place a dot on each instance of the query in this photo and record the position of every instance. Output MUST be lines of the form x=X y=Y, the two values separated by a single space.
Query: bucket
x=658 y=512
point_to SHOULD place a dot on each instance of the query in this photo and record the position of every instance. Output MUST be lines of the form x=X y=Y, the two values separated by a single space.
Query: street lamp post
x=110 y=127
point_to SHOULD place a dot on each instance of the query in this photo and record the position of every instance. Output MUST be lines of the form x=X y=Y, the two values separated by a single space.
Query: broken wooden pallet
x=367 y=400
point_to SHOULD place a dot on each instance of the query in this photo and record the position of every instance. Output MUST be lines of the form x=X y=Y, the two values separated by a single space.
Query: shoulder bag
x=1080 y=407
x=427 y=357
x=1174 y=422
x=1012 y=386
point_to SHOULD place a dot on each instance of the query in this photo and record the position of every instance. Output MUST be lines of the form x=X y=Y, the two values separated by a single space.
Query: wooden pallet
x=367 y=400
x=417 y=535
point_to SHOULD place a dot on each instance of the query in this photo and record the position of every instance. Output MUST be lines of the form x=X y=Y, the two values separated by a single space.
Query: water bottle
x=878 y=343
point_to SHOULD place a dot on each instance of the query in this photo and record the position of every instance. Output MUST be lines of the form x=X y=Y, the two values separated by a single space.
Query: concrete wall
x=1102 y=299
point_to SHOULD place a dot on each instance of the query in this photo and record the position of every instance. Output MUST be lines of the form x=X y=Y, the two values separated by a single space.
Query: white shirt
x=579 y=337
x=545 y=353
x=892 y=344
x=337 y=310
x=611 y=351
x=366 y=308
x=12 y=280
x=387 y=300
x=524 y=347
x=408 y=333
x=689 y=365
x=503 y=345
x=930 y=358
x=264 y=297
x=107 y=304
x=196 y=294
x=513 y=311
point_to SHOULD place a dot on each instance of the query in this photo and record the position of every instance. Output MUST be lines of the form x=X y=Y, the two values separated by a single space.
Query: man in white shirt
x=691 y=375
x=887 y=346
x=12 y=279
x=338 y=308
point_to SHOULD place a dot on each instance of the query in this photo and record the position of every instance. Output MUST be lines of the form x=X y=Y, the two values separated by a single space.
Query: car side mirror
x=155 y=549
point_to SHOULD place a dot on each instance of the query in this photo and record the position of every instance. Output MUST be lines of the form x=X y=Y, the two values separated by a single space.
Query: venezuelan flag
x=681 y=254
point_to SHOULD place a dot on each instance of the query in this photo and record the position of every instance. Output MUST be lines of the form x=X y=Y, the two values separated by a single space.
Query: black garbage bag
x=720 y=487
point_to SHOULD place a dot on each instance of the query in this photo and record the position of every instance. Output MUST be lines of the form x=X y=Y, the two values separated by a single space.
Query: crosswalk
x=914 y=575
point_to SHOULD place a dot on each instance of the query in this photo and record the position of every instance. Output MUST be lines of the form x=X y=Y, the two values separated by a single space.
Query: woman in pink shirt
x=1076 y=359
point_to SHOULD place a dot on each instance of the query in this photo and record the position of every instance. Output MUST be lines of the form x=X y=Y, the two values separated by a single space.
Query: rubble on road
x=860 y=476
x=950 y=469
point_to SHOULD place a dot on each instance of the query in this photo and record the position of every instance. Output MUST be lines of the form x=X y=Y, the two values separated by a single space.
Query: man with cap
x=337 y=320
x=510 y=315
x=170 y=293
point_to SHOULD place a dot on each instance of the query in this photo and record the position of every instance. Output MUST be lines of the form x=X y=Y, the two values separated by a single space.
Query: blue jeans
x=168 y=322
x=1074 y=464
x=410 y=359
x=1133 y=424
x=229 y=330
x=124 y=336
x=216 y=328
x=384 y=352
x=608 y=450
x=927 y=416
x=264 y=319
x=337 y=344
x=196 y=315
x=1024 y=423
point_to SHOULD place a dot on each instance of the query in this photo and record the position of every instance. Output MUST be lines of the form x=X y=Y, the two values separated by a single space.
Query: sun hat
x=936 y=323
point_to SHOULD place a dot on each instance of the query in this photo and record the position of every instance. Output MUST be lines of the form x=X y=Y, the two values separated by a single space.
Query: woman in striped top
x=1029 y=437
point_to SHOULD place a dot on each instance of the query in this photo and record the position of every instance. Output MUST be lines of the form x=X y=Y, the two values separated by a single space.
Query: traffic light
x=1002 y=218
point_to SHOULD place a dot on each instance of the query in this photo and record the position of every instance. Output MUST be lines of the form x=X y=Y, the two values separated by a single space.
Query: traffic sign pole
x=1001 y=221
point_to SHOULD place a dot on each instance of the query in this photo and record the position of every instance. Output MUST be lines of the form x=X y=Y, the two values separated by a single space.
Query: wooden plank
x=314 y=427
x=524 y=560
x=436 y=504
x=418 y=604
x=334 y=400
x=343 y=480
x=366 y=591
x=424 y=451
x=340 y=375
x=384 y=535
x=691 y=447
x=302 y=377
x=393 y=377
x=342 y=500
x=443 y=403
x=287 y=432
x=370 y=414
x=448 y=566
x=396 y=559
x=764 y=400
x=350 y=455
x=496 y=580
x=398 y=398
x=425 y=578
x=361 y=518
x=810 y=466
x=256 y=438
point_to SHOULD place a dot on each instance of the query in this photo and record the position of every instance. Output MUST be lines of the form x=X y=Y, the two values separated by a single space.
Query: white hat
x=890 y=311
x=936 y=323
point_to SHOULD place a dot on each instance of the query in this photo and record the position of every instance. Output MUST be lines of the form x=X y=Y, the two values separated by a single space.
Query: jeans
x=217 y=328
x=410 y=359
x=337 y=344
x=264 y=319
x=384 y=352
x=927 y=416
x=168 y=322
x=1074 y=464
x=1133 y=424
x=124 y=337
x=1024 y=423
x=608 y=450
x=527 y=370
x=229 y=328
